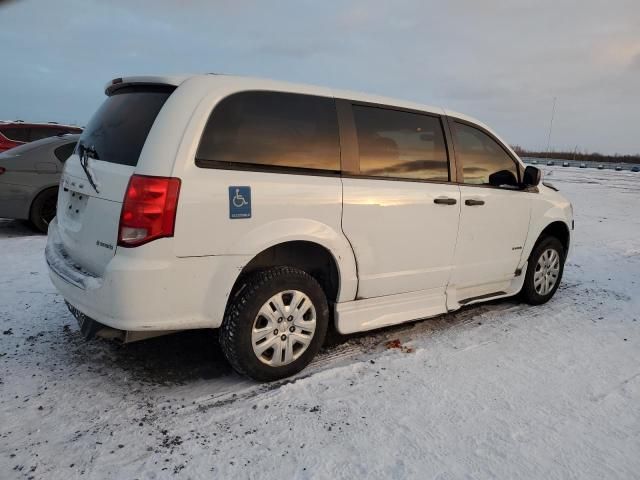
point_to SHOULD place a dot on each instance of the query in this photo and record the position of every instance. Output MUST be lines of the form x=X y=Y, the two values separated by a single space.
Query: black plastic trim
x=255 y=167
x=396 y=179
x=139 y=87
x=481 y=297
x=349 y=149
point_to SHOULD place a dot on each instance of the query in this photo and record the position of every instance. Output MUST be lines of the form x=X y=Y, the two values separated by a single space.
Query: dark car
x=15 y=133
x=635 y=168
x=29 y=177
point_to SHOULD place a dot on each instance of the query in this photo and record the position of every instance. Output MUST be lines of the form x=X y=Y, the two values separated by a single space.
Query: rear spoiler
x=143 y=80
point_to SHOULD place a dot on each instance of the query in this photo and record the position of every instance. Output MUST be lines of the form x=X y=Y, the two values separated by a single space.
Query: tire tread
x=528 y=293
x=236 y=308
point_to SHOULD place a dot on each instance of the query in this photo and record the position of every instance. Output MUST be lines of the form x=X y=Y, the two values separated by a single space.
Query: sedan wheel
x=43 y=209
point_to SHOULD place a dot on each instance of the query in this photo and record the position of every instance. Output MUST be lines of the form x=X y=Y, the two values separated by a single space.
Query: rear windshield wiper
x=86 y=153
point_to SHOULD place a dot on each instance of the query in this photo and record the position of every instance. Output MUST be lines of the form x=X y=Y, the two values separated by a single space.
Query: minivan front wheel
x=275 y=324
x=544 y=271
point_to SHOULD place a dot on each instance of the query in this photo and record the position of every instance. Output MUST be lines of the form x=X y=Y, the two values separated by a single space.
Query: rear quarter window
x=272 y=129
x=117 y=131
x=64 y=151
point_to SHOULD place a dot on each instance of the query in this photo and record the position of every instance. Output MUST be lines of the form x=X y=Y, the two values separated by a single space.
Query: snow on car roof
x=38 y=124
x=53 y=140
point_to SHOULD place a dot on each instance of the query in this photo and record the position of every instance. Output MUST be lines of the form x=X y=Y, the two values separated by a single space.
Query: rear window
x=64 y=151
x=117 y=131
x=272 y=129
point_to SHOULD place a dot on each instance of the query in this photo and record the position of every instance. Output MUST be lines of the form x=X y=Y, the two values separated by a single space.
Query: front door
x=494 y=215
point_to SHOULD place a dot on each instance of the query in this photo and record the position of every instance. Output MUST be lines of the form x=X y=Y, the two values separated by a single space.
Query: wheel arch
x=556 y=228
x=313 y=257
x=551 y=214
x=299 y=233
x=38 y=193
x=41 y=191
x=559 y=230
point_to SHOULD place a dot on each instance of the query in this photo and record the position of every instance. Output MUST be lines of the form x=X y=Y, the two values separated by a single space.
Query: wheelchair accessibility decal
x=239 y=202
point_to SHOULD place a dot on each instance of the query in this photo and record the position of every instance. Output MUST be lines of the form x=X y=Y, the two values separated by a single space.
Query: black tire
x=43 y=209
x=235 y=332
x=529 y=293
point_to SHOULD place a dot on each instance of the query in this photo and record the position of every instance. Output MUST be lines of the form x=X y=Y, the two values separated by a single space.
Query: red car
x=18 y=132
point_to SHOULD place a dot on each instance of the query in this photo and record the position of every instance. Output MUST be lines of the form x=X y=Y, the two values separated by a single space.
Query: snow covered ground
x=503 y=390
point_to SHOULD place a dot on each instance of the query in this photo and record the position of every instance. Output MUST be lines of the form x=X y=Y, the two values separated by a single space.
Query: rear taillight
x=148 y=210
x=2 y=170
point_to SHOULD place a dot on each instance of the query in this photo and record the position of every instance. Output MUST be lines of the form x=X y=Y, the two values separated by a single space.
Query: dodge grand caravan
x=268 y=210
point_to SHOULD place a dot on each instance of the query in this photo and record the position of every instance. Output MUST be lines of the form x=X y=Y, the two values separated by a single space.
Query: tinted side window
x=400 y=144
x=16 y=134
x=272 y=128
x=64 y=151
x=484 y=161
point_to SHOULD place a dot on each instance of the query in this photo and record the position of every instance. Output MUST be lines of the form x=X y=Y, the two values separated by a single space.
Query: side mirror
x=531 y=177
x=503 y=177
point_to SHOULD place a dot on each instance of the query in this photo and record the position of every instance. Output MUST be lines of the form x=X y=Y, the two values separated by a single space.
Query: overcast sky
x=500 y=61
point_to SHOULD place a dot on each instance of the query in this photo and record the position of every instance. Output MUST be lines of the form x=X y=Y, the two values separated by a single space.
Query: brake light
x=2 y=170
x=148 y=210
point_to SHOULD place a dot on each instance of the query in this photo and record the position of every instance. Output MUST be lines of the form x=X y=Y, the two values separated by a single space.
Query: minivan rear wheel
x=544 y=271
x=275 y=324
x=43 y=209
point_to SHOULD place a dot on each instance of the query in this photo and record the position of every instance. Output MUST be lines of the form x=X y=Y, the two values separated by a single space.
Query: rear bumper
x=140 y=293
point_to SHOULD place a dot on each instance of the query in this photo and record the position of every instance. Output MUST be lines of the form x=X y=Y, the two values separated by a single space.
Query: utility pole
x=553 y=113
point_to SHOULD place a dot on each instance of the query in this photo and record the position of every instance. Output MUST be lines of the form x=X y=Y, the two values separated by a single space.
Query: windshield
x=117 y=131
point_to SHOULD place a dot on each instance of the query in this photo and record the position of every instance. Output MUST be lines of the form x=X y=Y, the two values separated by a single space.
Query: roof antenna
x=553 y=113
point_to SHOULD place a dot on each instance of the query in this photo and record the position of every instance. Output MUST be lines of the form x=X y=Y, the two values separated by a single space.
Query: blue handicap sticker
x=239 y=202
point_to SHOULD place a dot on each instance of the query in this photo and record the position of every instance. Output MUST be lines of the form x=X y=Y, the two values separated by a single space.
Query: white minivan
x=269 y=210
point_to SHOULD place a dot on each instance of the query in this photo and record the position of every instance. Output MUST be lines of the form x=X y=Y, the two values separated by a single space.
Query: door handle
x=445 y=201
x=472 y=203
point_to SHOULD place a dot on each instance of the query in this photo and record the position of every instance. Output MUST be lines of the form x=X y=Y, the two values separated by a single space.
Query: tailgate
x=87 y=220
x=89 y=215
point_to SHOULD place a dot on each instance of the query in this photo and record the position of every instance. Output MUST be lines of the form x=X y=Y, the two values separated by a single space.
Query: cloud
x=501 y=61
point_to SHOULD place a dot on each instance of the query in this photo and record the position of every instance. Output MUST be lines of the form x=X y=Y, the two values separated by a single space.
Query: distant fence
x=559 y=162
x=580 y=157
